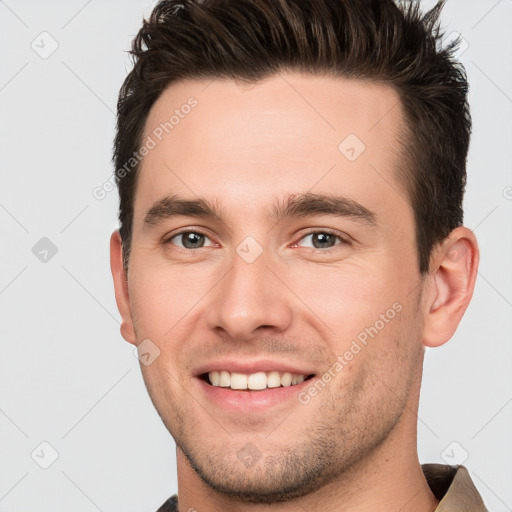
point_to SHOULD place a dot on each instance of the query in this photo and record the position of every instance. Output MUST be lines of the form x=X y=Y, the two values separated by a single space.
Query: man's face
x=261 y=291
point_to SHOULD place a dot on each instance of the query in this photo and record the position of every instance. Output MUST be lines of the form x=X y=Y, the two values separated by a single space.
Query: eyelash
x=343 y=240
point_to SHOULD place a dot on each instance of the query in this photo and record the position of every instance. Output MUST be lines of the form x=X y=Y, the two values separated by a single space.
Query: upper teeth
x=254 y=381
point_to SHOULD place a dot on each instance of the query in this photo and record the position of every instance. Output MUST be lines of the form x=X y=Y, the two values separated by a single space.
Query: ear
x=450 y=285
x=121 y=287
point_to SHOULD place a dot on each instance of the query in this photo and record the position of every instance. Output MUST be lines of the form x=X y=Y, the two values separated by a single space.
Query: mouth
x=257 y=386
x=258 y=381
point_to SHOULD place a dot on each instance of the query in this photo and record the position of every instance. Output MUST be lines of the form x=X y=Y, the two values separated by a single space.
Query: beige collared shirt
x=452 y=485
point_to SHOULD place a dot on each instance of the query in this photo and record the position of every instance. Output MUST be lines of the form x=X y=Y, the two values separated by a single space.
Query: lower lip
x=251 y=400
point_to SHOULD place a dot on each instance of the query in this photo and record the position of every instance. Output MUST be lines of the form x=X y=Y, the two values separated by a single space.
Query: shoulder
x=453 y=486
x=171 y=505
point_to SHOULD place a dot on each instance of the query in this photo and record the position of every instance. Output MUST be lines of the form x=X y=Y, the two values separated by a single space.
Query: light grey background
x=67 y=378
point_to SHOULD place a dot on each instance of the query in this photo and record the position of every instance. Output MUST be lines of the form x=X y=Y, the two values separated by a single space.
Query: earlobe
x=121 y=287
x=451 y=285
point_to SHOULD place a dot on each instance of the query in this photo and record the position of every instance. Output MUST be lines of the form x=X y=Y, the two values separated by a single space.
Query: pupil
x=323 y=239
x=192 y=240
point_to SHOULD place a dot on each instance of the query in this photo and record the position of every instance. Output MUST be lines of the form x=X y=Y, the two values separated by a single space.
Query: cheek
x=350 y=299
x=379 y=359
x=161 y=297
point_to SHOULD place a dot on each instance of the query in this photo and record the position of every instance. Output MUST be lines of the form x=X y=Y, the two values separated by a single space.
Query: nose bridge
x=250 y=296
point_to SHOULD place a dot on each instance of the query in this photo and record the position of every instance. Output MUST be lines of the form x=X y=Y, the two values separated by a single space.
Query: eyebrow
x=296 y=205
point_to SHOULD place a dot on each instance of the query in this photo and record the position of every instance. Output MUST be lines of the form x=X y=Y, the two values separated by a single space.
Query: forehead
x=289 y=133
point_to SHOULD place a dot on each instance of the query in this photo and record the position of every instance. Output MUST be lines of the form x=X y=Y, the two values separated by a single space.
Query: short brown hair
x=249 y=40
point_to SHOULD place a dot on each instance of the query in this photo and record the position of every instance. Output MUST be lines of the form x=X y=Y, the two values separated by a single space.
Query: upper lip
x=249 y=367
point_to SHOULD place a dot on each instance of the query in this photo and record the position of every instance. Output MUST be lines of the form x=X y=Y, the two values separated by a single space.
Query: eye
x=188 y=240
x=321 y=240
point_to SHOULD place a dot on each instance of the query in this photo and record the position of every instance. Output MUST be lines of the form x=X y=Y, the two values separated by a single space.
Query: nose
x=249 y=299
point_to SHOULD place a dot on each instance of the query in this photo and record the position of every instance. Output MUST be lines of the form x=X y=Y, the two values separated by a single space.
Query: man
x=291 y=177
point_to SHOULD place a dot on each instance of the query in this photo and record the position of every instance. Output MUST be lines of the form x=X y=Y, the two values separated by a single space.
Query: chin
x=272 y=479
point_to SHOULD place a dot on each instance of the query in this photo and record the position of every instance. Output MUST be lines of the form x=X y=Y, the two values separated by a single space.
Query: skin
x=353 y=446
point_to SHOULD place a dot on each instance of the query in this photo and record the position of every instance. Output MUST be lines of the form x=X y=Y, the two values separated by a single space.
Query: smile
x=255 y=381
